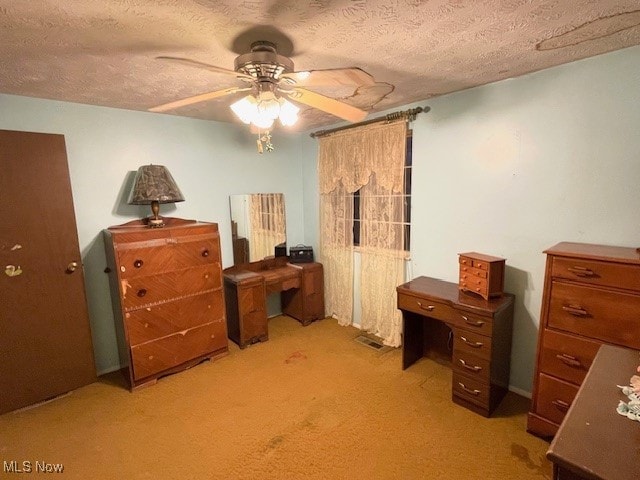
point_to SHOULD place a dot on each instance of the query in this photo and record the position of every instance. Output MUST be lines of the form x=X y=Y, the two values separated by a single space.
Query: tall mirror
x=257 y=226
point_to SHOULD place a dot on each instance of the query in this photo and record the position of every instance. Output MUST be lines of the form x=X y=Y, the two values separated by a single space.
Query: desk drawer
x=566 y=356
x=607 y=274
x=426 y=307
x=471 y=389
x=554 y=398
x=471 y=365
x=472 y=343
x=612 y=317
x=473 y=322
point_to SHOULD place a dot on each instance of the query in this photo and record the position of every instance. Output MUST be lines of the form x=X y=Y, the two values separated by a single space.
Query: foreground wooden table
x=593 y=441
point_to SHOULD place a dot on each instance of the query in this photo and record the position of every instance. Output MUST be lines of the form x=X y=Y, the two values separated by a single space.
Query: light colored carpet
x=311 y=403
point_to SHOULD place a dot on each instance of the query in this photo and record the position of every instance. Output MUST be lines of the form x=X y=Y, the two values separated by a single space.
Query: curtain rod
x=410 y=115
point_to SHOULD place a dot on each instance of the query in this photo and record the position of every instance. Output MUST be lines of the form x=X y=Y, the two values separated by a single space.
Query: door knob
x=12 y=270
x=72 y=267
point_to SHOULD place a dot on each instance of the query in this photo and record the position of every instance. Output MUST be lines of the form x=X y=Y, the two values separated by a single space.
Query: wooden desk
x=594 y=441
x=246 y=287
x=434 y=313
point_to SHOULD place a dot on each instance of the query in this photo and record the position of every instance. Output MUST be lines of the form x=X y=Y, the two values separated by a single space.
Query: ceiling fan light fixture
x=248 y=110
x=288 y=113
x=262 y=121
x=245 y=108
x=264 y=110
x=268 y=105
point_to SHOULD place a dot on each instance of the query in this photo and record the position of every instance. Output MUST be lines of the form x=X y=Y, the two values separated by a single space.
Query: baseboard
x=104 y=371
x=519 y=391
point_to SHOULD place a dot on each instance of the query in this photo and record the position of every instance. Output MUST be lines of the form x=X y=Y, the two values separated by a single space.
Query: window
x=406 y=216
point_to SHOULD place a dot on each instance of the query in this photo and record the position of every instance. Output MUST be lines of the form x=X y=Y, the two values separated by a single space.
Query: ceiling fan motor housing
x=263 y=62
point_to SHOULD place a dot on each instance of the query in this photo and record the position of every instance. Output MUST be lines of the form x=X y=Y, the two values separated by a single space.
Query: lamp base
x=155 y=222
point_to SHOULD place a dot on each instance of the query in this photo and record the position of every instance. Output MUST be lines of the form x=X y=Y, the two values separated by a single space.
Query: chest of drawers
x=481 y=274
x=166 y=289
x=591 y=297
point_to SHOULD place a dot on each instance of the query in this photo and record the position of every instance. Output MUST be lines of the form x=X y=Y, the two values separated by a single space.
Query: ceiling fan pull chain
x=264 y=142
x=267 y=139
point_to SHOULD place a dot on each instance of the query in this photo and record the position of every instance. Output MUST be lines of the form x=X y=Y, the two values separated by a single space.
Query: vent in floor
x=372 y=343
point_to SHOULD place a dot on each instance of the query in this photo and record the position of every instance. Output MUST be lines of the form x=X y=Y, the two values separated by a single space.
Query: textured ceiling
x=103 y=52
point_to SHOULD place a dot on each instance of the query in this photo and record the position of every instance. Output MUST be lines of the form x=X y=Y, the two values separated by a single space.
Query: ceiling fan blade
x=197 y=99
x=329 y=77
x=212 y=68
x=326 y=104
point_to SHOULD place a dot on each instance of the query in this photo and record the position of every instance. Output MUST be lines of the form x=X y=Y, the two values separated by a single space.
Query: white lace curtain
x=267 y=224
x=370 y=160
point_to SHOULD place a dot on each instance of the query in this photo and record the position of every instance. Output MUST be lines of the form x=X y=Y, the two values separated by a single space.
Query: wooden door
x=45 y=339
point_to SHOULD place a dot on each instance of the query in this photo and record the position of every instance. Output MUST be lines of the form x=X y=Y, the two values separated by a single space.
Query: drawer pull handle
x=581 y=271
x=142 y=292
x=138 y=263
x=569 y=360
x=471 y=344
x=473 y=368
x=428 y=308
x=468 y=390
x=575 y=310
x=560 y=405
x=205 y=253
x=477 y=323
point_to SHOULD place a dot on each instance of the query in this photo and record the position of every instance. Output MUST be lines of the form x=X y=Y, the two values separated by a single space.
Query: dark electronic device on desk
x=280 y=250
x=301 y=254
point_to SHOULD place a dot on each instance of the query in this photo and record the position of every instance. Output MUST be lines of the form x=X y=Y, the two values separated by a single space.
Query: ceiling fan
x=271 y=80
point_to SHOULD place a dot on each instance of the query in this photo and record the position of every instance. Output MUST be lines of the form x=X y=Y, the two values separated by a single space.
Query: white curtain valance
x=351 y=156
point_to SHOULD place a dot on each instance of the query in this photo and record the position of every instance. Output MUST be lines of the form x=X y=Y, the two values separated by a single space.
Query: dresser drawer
x=472 y=322
x=613 y=317
x=474 y=284
x=471 y=389
x=429 y=308
x=566 y=356
x=150 y=323
x=554 y=398
x=196 y=250
x=166 y=255
x=597 y=273
x=473 y=343
x=469 y=272
x=474 y=263
x=167 y=352
x=139 y=292
x=471 y=365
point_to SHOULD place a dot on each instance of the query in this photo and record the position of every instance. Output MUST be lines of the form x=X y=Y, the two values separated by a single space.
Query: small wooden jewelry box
x=481 y=274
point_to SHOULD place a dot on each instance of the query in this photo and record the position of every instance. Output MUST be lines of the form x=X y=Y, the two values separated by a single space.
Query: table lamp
x=154 y=185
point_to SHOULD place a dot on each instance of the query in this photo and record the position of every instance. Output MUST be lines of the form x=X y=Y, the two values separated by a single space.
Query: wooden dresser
x=166 y=286
x=591 y=297
x=594 y=441
x=434 y=313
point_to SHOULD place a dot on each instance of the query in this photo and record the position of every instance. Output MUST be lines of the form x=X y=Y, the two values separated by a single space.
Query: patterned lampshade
x=154 y=185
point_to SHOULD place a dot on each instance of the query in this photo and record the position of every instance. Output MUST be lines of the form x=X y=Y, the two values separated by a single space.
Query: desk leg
x=412 y=338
